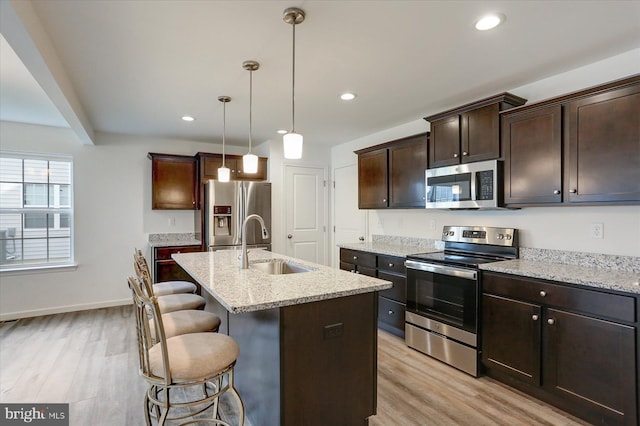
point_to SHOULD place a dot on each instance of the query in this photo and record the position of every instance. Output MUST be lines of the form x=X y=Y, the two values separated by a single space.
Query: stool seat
x=180 y=302
x=186 y=322
x=193 y=356
x=173 y=287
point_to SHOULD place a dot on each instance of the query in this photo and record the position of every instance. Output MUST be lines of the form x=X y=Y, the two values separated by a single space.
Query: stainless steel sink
x=278 y=267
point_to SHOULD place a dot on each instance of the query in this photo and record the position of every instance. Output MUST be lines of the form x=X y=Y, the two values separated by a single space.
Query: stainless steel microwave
x=465 y=186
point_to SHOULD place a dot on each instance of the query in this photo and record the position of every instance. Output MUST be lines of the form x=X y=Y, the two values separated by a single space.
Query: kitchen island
x=308 y=340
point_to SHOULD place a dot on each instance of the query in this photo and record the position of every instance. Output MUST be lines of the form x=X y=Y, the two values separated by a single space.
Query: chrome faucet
x=265 y=235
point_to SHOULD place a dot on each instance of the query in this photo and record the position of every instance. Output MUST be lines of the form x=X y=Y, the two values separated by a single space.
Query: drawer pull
x=551 y=321
x=391 y=312
x=355 y=257
x=391 y=265
x=357 y=272
x=543 y=293
x=534 y=317
x=557 y=192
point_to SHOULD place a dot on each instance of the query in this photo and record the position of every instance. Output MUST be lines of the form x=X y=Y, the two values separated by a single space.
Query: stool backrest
x=142 y=271
x=146 y=308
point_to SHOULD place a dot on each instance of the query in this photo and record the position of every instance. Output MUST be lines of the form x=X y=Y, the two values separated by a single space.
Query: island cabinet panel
x=582 y=148
x=173 y=182
x=575 y=348
x=532 y=144
x=392 y=175
x=166 y=269
x=339 y=389
x=469 y=133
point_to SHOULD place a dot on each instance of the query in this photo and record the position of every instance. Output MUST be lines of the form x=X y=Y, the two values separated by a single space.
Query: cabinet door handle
x=573 y=190
x=391 y=265
x=384 y=200
x=357 y=272
x=355 y=257
x=557 y=192
x=534 y=317
x=353 y=271
x=455 y=155
x=465 y=153
x=551 y=321
x=543 y=293
x=390 y=312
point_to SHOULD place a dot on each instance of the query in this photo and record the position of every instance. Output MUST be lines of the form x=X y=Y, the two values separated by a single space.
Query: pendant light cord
x=224 y=128
x=250 y=107
x=293 y=82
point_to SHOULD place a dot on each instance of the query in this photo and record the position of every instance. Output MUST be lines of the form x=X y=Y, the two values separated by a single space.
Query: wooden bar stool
x=182 y=362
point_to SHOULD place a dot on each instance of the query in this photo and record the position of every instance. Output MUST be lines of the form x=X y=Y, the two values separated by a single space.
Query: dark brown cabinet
x=391 y=302
x=573 y=347
x=209 y=164
x=469 y=133
x=173 y=182
x=391 y=175
x=581 y=148
x=165 y=268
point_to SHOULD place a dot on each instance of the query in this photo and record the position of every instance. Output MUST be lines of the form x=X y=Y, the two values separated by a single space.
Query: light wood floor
x=89 y=359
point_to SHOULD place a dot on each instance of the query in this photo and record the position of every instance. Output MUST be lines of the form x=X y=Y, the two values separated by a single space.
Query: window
x=36 y=210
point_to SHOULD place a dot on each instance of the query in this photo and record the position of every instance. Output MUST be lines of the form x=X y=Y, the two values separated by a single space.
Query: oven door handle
x=441 y=269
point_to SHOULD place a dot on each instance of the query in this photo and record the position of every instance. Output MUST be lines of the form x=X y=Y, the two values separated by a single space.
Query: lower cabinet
x=572 y=347
x=165 y=268
x=391 y=302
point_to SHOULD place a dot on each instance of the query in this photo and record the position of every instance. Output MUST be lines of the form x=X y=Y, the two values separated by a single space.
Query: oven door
x=443 y=293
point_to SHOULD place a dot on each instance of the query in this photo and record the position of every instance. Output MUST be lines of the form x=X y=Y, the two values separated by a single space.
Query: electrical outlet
x=597 y=231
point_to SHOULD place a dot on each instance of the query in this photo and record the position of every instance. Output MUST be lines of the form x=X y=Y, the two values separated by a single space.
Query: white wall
x=112 y=194
x=564 y=228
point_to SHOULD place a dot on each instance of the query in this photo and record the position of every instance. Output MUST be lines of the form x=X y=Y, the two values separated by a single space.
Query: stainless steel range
x=443 y=292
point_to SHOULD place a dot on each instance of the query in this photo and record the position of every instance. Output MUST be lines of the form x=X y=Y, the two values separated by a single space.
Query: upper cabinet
x=581 y=148
x=173 y=182
x=469 y=133
x=209 y=164
x=391 y=175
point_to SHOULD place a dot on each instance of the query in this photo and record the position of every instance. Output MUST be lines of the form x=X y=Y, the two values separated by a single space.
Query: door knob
x=361 y=238
x=289 y=236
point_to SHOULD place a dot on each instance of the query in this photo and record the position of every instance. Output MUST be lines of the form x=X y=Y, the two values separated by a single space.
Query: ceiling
x=136 y=67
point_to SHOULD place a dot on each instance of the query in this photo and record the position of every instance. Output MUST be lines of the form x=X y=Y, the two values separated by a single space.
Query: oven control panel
x=480 y=235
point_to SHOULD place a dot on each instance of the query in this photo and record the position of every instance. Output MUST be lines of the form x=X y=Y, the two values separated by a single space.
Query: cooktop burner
x=457 y=259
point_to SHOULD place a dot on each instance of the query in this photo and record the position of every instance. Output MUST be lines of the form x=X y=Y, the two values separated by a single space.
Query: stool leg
x=235 y=393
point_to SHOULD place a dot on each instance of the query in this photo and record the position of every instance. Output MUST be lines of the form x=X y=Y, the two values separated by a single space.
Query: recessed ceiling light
x=490 y=21
x=283 y=132
x=188 y=118
x=348 y=96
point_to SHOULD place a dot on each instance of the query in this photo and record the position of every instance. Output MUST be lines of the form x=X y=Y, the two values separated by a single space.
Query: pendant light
x=224 y=172
x=293 y=141
x=249 y=160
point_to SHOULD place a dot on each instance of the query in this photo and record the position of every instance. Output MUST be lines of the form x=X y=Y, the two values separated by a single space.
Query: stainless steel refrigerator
x=226 y=206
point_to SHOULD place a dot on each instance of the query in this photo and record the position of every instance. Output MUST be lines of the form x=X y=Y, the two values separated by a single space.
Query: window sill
x=44 y=269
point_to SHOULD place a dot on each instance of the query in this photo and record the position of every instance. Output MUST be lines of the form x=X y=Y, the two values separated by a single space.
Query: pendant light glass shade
x=249 y=160
x=292 y=146
x=250 y=163
x=223 y=172
x=292 y=141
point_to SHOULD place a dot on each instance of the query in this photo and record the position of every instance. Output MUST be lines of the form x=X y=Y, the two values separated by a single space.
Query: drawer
x=359 y=258
x=163 y=253
x=392 y=264
x=399 y=290
x=391 y=313
x=371 y=272
x=592 y=302
x=349 y=267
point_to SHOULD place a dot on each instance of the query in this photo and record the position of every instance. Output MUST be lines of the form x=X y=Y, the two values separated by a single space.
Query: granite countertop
x=247 y=290
x=387 y=249
x=610 y=279
x=174 y=239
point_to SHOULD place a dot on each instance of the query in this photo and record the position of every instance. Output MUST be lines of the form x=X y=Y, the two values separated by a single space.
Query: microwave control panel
x=484 y=185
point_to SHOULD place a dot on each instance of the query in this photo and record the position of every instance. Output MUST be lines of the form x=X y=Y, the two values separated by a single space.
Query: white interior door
x=350 y=223
x=305 y=216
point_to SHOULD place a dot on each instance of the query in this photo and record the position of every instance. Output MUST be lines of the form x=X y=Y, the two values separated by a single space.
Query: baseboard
x=63 y=309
